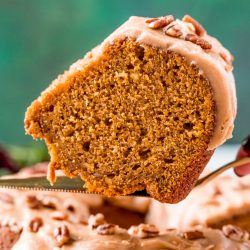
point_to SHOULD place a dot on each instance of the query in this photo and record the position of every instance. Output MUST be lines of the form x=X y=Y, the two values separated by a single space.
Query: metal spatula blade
x=63 y=184
x=76 y=185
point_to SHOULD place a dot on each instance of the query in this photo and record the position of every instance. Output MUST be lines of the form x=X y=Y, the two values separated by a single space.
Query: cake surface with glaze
x=54 y=220
x=225 y=200
x=143 y=110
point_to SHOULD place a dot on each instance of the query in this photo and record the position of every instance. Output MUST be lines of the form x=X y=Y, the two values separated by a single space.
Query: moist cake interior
x=139 y=117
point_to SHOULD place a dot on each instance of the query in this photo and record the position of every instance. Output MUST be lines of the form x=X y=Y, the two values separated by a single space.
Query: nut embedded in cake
x=144 y=110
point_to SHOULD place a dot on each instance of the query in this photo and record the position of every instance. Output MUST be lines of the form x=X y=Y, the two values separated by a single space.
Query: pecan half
x=57 y=215
x=48 y=202
x=193 y=235
x=96 y=220
x=106 y=229
x=235 y=233
x=35 y=224
x=199 y=30
x=173 y=31
x=70 y=208
x=160 y=22
x=143 y=231
x=224 y=57
x=6 y=198
x=217 y=191
x=211 y=202
x=62 y=235
x=33 y=202
x=198 y=41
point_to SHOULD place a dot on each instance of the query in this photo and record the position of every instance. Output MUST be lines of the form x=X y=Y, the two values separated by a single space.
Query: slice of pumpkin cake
x=143 y=110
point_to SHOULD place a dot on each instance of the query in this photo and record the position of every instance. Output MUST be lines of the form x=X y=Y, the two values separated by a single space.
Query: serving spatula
x=76 y=185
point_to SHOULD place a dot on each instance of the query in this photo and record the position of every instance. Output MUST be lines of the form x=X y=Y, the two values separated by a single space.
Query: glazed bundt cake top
x=188 y=38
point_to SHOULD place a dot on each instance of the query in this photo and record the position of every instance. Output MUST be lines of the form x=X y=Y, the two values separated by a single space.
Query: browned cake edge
x=186 y=183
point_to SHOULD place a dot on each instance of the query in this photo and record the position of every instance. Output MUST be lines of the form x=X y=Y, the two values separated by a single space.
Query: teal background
x=39 y=39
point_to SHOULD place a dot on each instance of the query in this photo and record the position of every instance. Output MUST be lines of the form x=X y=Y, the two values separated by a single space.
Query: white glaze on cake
x=16 y=213
x=84 y=237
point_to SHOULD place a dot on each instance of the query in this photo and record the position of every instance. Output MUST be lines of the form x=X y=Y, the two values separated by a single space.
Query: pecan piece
x=224 y=57
x=211 y=202
x=33 y=202
x=173 y=31
x=193 y=235
x=229 y=68
x=70 y=208
x=35 y=224
x=235 y=233
x=144 y=231
x=217 y=191
x=160 y=22
x=57 y=215
x=106 y=229
x=198 y=41
x=96 y=220
x=227 y=60
x=62 y=235
x=199 y=30
x=47 y=202
x=150 y=20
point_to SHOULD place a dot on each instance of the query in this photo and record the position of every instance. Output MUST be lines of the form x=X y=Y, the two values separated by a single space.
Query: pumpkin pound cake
x=143 y=110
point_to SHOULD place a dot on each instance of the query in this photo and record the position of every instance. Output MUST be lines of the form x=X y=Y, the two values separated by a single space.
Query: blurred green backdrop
x=39 y=39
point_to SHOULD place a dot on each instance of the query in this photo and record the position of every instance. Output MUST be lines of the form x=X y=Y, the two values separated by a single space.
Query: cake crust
x=188 y=181
x=225 y=200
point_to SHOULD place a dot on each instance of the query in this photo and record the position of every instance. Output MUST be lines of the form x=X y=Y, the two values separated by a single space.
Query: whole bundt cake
x=143 y=110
